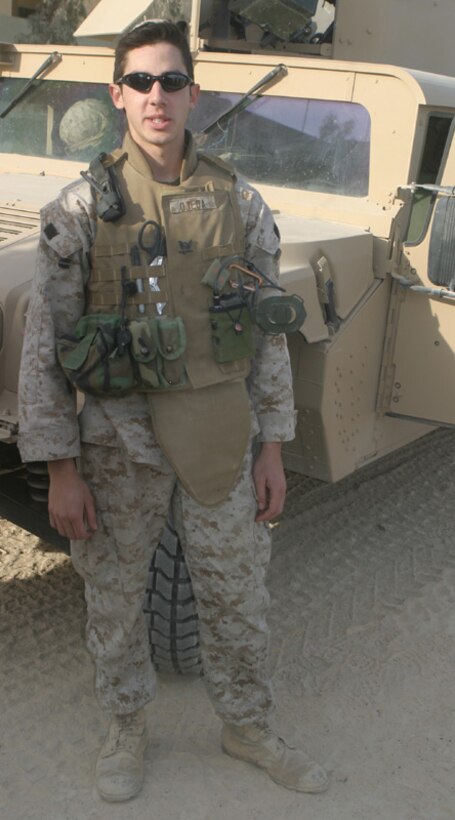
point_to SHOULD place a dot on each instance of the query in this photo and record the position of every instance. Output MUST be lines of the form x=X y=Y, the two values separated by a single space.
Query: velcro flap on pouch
x=74 y=355
x=73 y=351
x=144 y=344
x=171 y=337
x=218 y=274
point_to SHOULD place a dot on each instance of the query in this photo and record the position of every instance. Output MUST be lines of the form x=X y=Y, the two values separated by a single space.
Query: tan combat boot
x=120 y=764
x=287 y=766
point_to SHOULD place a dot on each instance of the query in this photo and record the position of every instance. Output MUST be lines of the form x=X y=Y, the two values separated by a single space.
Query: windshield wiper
x=52 y=60
x=273 y=76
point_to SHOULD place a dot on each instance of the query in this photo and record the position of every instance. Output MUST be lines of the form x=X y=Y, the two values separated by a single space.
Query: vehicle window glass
x=442 y=244
x=429 y=172
x=318 y=145
x=59 y=119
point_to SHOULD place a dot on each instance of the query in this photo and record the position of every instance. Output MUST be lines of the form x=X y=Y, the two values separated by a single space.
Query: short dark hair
x=149 y=33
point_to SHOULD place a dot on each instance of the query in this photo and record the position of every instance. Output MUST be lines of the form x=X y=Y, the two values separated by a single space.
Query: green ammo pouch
x=144 y=349
x=171 y=339
x=97 y=359
x=232 y=335
x=157 y=347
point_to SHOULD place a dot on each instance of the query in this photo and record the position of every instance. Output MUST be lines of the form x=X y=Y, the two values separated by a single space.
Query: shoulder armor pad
x=102 y=177
x=219 y=163
x=110 y=159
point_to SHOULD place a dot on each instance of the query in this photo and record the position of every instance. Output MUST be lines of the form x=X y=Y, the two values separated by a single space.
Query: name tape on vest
x=206 y=202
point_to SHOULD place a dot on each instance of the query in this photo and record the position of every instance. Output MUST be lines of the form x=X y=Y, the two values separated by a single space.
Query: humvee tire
x=170 y=609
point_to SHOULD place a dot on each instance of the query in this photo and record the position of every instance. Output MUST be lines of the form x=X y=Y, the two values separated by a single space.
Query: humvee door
x=418 y=376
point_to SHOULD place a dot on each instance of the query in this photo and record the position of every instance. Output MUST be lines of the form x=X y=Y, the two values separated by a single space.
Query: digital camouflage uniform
x=132 y=483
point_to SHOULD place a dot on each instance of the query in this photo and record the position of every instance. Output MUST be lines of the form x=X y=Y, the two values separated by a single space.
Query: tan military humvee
x=357 y=160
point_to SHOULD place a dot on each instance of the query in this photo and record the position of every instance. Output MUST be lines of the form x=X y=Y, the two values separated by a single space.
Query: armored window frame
x=434 y=155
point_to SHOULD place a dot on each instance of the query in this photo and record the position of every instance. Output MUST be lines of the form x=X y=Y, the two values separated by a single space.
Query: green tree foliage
x=55 y=21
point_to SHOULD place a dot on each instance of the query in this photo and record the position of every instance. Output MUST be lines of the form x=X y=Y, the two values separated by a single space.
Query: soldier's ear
x=194 y=94
x=116 y=95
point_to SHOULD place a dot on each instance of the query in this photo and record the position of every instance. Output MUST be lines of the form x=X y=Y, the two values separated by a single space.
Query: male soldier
x=189 y=426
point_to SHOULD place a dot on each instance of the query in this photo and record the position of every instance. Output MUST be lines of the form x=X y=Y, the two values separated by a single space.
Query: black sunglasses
x=143 y=82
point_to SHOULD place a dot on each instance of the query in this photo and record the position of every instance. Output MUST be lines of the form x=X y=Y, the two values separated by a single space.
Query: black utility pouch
x=232 y=334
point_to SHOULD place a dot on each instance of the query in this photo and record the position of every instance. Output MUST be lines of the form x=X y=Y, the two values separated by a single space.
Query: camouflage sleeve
x=270 y=380
x=48 y=427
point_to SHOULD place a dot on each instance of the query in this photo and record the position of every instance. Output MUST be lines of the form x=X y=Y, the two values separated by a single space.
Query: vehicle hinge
x=387 y=375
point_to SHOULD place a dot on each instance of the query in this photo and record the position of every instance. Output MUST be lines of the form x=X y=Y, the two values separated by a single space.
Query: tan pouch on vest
x=204 y=434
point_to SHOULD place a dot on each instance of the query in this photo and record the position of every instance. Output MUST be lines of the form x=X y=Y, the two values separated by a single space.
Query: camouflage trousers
x=227 y=555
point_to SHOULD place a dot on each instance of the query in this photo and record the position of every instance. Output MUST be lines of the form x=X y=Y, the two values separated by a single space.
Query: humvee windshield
x=317 y=145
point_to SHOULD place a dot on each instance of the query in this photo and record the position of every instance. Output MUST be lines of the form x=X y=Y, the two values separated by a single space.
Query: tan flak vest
x=203 y=427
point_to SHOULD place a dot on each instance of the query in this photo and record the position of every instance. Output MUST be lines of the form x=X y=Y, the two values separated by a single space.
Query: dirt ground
x=363 y=663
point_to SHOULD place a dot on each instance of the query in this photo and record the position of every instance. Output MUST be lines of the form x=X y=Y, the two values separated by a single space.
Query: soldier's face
x=156 y=118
